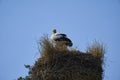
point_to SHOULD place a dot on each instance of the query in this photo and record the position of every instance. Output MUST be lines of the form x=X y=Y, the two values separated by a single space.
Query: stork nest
x=59 y=63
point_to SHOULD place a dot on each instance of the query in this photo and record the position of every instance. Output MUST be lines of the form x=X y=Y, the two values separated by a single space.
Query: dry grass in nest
x=60 y=63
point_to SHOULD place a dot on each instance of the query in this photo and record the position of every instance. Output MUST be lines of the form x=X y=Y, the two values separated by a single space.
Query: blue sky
x=23 y=22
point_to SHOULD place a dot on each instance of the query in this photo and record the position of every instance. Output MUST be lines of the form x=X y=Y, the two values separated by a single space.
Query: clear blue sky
x=23 y=22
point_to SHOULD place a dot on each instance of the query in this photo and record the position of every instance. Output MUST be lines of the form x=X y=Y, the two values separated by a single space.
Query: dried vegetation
x=61 y=63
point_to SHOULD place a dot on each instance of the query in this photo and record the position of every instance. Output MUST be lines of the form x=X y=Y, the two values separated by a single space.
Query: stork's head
x=54 y=31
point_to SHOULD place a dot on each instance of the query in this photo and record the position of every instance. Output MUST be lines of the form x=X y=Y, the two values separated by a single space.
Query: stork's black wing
x=64 y=35
x=67 y=40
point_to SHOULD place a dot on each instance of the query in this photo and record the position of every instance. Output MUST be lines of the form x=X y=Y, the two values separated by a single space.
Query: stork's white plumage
x=55 y=37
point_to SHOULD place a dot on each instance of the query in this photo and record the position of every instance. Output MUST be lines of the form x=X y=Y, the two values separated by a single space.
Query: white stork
x=55 y=37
